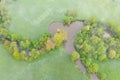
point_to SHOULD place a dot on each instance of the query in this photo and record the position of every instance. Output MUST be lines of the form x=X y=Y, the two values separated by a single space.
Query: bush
x=87 y=27
x=88 y=62
x=12 y=47
x=4 y=33
x=49 y=44
x=60 y=37
x=23 y=55
x=112 y=54
x=15 y=37
x=102 y=57
x=95 y=40
x=6 y=43
x=68 y=20
x=41 y=42
x=93 y=68
x=75 y=56
x=16 y=55
x=26 y=44
x=102 y=76
x=99 y=32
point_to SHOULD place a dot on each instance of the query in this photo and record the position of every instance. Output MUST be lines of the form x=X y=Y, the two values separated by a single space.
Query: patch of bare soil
x=71 y=31
x=106 y=34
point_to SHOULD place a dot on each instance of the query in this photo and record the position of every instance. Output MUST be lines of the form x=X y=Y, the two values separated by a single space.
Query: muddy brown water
x=71 y=31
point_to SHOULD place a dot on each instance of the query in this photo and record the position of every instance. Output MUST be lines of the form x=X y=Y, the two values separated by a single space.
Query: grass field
x=31 y=18
x=57 y=65
x=111 y=68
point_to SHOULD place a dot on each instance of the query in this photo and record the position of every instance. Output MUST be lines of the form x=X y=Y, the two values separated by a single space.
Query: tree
x=93 y=68
x=15 y=37
x=60 y=37
x=16 y=54
x=102 y=76
x=102 y=57
x=23 y=55
x=112 y=54
x=75 y=56
x=13 y=46
x=99 y=32
x=25 y=44
x=87 y=27
x=86 y=47
x=6 y=43
x=49 y=44
x=96 y=40
x=68 y=20
x=88 y=62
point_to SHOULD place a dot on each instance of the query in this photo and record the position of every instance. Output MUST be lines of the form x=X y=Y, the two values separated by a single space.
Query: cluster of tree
x=93 y=47
x=23 y=48
x=26 y=49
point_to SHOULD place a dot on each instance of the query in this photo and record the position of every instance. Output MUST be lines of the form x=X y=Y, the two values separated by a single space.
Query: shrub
x=111 y=41
x=112 y=54
x=93 y=68
x=87 y=27
x=86 y=47
x=60 y=37
x=99 y=32
x=15 y=37
x=49 y=44
x=68 y=20
x=75 y=56
x=102 y=76
x=4 y=33
x=25 y=44
x=16 y=55
x=35 y=44
x=102 y=57
x=41 y=42
x=96 y=40
x=23 y=55
x=88 y=62
x=6 y=43
x=12 y=46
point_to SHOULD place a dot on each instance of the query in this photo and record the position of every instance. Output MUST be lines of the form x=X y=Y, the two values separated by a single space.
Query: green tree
x=16 y=55
x=60 y=37
x=75 y=56
x=68 y=20
x=112 y=54
x=26 y=44
x=102 y=76
x=49 y=44
x=93 y=68
x=102 y=57
x=15 y=37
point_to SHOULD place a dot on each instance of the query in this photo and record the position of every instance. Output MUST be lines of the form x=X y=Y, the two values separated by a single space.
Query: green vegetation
x=95 y=47
x=56 y=65
x=30 y=19
x=26 y=49
x=75 y=56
